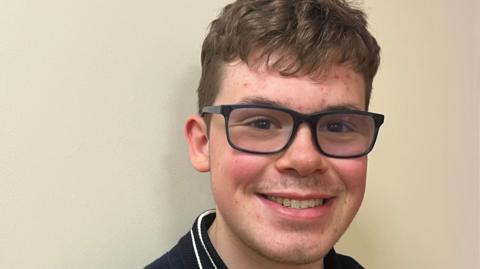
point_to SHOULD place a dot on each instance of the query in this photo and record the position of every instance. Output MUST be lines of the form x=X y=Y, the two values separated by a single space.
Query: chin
x=291 y=248
x=296 y=254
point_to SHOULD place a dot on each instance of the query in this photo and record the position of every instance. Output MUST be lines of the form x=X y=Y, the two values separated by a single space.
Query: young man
x=284 y=132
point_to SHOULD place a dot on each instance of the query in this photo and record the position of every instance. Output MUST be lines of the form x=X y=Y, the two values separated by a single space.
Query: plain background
x=93 y=166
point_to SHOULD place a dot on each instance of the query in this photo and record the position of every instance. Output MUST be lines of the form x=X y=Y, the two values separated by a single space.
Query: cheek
x=235 y=176
x=237 y=168
x=353 y=173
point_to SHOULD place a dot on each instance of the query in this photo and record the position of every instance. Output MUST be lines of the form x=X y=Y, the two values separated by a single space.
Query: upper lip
x=299 y=196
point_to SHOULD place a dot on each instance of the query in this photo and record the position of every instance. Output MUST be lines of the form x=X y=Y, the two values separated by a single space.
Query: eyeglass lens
x=267 y=130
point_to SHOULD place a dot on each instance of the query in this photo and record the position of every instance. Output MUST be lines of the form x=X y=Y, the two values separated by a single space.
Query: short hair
x=292 y=37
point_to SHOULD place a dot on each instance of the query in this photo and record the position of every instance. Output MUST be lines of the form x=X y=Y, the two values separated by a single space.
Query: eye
x=338 y=127
x=264 y=124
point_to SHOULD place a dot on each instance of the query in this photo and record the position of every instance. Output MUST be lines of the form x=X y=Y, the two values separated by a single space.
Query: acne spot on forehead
x=245 y=84
x=302 y=108
x=323 y=102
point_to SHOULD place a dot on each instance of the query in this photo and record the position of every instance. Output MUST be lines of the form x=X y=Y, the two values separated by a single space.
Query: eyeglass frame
x=298 y=119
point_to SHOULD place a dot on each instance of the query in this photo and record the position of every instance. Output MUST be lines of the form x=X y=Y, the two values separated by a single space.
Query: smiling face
x=261 y=219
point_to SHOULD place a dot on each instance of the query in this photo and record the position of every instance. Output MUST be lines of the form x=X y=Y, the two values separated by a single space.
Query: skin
x=249 y=230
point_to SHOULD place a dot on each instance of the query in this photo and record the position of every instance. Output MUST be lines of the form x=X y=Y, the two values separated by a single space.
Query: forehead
x=337 y=86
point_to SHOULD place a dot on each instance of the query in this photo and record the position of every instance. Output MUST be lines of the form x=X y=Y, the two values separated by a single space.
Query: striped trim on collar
x=205 y=254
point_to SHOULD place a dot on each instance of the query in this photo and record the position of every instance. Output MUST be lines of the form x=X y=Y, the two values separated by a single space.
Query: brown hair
x=306 y=37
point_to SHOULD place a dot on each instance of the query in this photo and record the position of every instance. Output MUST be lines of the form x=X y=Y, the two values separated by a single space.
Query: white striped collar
x=198 y=242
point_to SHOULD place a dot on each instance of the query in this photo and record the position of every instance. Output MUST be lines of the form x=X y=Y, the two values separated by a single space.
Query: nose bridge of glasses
x=310 y=121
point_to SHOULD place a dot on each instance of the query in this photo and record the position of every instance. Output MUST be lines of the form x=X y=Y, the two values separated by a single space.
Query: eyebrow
x=264 y=101
x=341 y=107
x=258 y=100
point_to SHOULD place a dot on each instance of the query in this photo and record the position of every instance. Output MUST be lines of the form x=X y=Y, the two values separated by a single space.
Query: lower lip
x=298 y=215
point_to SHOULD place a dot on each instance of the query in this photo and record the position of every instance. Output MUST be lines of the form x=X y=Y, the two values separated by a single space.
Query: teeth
x=297 y=204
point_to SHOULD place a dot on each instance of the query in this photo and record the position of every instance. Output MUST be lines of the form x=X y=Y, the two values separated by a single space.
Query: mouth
x=298 y=208
x=296 y=204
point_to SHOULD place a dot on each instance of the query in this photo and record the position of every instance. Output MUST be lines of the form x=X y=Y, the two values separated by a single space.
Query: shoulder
x=175 y=258
x=169 y=260
x=160 y=263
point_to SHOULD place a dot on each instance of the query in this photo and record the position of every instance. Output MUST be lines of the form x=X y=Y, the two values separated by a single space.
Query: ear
x=197 y=138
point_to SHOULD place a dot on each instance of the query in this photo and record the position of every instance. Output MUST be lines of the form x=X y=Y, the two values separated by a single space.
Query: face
x=250 y=189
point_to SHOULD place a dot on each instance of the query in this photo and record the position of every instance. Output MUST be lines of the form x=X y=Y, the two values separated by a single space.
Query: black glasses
x=268 y=129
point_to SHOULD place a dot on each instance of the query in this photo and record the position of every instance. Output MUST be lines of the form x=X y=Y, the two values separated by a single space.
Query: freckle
x=245 y=84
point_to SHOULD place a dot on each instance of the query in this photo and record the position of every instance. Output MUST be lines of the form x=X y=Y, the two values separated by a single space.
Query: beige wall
x=93 y=167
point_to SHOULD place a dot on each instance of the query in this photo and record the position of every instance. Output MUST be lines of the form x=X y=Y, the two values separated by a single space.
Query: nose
x=302 y=156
